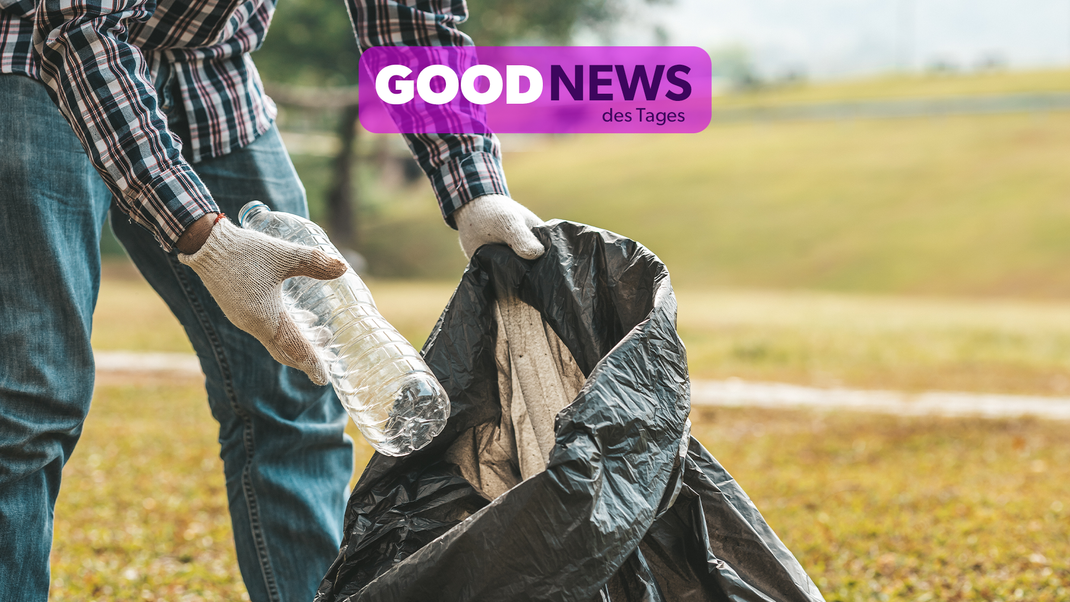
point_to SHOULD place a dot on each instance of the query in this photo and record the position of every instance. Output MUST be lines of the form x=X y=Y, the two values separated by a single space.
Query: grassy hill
x=945 y=205
x=900 y=86
x=974 y=205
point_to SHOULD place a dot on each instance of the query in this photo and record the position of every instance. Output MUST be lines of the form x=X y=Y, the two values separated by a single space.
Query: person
x=164 y=129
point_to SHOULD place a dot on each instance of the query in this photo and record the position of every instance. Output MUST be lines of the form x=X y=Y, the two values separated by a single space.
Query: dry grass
x=880 y=508
x=875 y=508
x=877 y=342
x=904 y=86
x=961 y=205
x=819 y=339
x=143 y=510
x=956 y=205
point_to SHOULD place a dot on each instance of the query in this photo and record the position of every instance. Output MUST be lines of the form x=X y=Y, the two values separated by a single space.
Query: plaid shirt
x=99 y=61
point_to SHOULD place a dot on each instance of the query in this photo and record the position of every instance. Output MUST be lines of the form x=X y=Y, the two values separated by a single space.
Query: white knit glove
x=497 y=219
x=244 y=271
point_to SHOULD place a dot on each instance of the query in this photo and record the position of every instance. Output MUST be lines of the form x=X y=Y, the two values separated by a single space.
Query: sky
x=837 y=38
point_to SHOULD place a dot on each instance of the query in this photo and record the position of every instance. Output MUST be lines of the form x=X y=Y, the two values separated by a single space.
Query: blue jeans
x=286 y=458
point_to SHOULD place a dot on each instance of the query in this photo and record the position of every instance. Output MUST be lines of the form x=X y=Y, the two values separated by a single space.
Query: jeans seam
x=248 y=443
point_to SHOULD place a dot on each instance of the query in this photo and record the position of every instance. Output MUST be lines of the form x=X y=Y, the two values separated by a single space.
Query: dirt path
x=731 y=392
x=777 y=395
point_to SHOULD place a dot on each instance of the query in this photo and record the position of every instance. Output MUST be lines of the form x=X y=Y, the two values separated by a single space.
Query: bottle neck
x=251 y=210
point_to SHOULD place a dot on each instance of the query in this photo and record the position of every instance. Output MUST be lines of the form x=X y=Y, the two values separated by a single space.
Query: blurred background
x=857 y=145
x=881 y=202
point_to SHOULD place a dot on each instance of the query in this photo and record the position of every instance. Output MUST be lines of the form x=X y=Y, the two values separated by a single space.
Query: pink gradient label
x=535 y=89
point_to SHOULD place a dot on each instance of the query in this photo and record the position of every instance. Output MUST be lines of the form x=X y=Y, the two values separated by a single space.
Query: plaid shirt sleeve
x=102 y=86
x=460 y=167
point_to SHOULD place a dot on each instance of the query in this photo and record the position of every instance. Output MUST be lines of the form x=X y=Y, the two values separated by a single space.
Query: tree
x=311 y=45
x=501 y=22
x=311 y=42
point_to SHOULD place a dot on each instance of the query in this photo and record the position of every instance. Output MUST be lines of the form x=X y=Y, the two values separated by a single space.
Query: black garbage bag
x=566 y=470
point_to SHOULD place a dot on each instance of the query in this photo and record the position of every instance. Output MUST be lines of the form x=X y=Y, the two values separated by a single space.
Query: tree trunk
x=342 y=201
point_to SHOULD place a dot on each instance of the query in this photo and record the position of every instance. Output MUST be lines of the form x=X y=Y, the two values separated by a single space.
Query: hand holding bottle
x=381 y=380
x=245 y=270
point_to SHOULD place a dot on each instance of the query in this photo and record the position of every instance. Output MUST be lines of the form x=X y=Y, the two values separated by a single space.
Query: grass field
x=809 y=338
x=875 y=508
x=872 y=254
x=954 y=205
x=143 y=510
x=902 y=86
x=880 y=508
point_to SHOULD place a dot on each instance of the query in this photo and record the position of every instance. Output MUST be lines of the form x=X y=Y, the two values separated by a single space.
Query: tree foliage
x=311 y=45
x=500 y=22
x=311 y=42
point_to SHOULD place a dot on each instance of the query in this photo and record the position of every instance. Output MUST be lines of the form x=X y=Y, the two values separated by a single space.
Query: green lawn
x=965 y=205
x=960 y=205
x=810 y=338
x=130 y=316
x=142 y=511
x=880 y=508
x=903 y=86
x=872 y=254
x=875 y=508
x=877 y=342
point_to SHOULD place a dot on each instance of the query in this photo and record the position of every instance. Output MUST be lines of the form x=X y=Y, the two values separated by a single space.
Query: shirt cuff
x=467 y=178
x=172 y=202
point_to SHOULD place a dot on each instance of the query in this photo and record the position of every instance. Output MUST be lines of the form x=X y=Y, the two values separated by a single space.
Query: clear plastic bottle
x=382 y=381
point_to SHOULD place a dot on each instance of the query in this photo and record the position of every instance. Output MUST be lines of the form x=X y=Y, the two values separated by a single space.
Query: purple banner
x=535 y=89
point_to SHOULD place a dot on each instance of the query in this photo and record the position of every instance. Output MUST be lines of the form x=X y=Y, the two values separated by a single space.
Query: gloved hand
x=497 y=219
x=244 y=271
